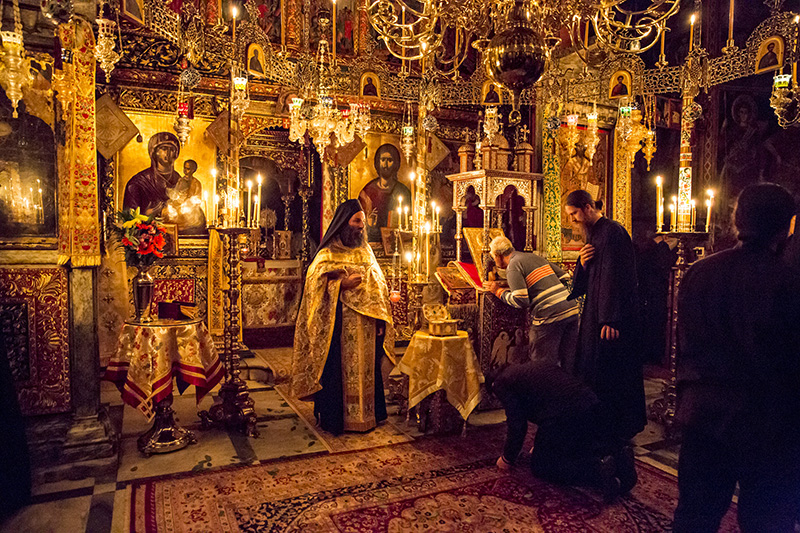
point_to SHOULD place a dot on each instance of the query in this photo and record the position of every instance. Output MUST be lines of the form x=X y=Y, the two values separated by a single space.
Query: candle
x=249 y=203
x=659 y=204
x=730 y=24
x=400 y=212
x=257 y=217
x=258 y=196
x=663 y=34
x=403 y=34
x=672 y=217
x=216 y=208
x=214 y=177
x=234 y=12
x=796 y=45
x=586 y=35
x=409 y=260
x=405 y=211
x=438 y=226
x=206 y=205
x=691 y=33
x=710 y=201
x=427 y=250
x=333 y=5
x=694 y=214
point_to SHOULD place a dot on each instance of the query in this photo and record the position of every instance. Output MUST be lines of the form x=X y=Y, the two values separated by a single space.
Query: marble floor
x=99 y=505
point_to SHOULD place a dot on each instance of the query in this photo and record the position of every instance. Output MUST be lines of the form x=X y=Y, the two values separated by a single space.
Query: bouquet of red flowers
x=141 y=236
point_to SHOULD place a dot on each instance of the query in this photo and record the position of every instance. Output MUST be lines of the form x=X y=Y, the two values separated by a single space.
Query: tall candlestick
x=694 y=214
x=249 y=203
x=730 y=23
x=691 y=33
x=216 y=208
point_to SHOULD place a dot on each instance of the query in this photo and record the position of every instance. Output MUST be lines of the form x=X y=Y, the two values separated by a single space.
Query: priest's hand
x=351 y=282
x=609 y=334
x=490 y=285
x=586 y=253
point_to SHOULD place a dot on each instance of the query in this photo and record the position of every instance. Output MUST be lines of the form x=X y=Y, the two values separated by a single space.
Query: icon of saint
x=147 y=189
x=620 y=89
x=769 y=59
x=492 y=97
x=254 y=65
x=369 y=88
x=380 y=196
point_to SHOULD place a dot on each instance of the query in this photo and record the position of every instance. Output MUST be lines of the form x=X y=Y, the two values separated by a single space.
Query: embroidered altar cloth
x=149 y=355
x=443 y=363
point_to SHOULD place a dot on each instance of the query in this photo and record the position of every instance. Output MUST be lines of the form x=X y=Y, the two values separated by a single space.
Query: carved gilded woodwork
x=40 y=343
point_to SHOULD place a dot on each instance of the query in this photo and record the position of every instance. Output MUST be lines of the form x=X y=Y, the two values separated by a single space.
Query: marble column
x=90 y=435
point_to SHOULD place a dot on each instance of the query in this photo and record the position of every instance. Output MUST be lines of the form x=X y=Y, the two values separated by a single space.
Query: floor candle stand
x=237 y=409
x=663 y=409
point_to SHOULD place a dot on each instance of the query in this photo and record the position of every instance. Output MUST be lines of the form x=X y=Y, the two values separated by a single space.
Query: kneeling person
x=572 y=445
x=535 y=283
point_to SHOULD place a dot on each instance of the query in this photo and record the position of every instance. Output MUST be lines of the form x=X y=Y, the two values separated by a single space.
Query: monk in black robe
x=15 y=466
x=607 y=358
x=738 y=401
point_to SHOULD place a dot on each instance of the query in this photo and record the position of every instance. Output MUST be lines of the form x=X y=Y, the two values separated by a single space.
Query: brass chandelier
x=322 y=120
x=516 y=38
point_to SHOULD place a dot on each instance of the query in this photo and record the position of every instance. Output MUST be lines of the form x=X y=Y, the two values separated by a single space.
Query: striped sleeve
x=517 y=293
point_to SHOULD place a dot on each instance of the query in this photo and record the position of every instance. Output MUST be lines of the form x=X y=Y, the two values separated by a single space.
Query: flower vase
x=142 y=295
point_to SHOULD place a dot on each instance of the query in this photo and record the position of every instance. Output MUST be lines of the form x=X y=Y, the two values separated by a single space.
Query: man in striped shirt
x=535 y=283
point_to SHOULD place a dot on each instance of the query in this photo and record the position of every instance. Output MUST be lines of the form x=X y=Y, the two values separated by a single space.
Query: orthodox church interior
x=168 y=173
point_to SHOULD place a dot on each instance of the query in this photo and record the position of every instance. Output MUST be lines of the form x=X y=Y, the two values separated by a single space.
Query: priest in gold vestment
x=344 y=329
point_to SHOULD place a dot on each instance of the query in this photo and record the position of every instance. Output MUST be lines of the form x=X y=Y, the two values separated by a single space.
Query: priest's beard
x=353 y=237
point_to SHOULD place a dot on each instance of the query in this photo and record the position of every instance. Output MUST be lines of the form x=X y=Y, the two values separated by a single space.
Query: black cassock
x=613 y=369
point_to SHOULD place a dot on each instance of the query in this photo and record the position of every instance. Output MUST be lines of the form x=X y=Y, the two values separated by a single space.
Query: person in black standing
x=738 y=373
x=15 y=464
x=655 y=257
x=607 y=358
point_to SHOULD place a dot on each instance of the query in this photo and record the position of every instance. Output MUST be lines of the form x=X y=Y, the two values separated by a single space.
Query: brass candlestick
x=237 y=409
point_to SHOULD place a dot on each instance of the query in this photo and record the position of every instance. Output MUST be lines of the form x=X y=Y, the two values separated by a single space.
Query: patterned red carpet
x=446 y=485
